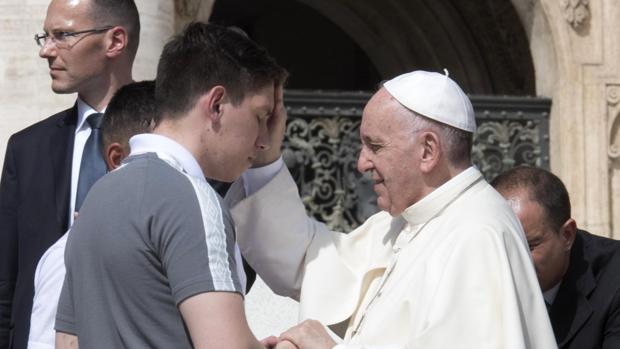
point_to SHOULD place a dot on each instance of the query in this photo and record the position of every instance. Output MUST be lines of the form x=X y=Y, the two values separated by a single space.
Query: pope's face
x=389 y=151
x=550 y=249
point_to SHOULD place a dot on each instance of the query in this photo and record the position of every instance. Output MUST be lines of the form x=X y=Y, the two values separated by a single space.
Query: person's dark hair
x=543 y=187
x=131 y=111
x=207 y=55
x=123 y=13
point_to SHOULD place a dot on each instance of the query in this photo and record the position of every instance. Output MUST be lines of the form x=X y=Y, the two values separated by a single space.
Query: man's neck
x=551 y=293
x=182 y=133
x=98 y=98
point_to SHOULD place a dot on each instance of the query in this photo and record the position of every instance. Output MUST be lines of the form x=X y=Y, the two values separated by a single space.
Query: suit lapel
x=572 y=308
x=61 y=154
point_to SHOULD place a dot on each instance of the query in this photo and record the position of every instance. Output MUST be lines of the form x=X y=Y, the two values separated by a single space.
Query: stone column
x=157 y=26
x=586 y=38
x=191 y=10
x=25 y=84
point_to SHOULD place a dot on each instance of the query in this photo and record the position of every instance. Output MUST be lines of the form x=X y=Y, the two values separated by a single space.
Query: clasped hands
x=309 y=334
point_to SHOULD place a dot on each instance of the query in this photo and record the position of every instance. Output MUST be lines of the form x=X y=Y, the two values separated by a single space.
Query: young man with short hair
x=151 y=261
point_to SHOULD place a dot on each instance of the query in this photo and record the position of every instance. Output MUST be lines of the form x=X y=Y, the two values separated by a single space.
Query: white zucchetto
x=434 y=96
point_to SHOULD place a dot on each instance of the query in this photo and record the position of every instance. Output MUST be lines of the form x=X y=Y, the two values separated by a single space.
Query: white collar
x=166 y=149
x=84 y=110
x=550 y=294
x=434 y=202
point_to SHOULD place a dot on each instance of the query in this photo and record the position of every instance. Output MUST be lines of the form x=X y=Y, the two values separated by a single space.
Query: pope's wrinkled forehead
x=383 y=105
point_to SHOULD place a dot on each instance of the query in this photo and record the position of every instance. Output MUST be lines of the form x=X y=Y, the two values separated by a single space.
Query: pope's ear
x=115 y=153
x=430 y=151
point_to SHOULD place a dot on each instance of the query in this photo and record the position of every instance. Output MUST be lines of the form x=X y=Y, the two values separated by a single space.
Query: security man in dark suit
x=579 y=273
x=90 y=46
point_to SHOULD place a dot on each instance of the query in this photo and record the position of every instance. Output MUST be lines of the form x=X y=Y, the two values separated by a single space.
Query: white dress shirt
x=550 y=294
x=48 y=279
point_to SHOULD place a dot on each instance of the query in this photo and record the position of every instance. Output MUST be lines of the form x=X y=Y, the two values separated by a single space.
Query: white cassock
x=452 y=271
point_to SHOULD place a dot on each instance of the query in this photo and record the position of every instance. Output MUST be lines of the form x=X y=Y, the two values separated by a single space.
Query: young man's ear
x=114 y=154
x=212 y=103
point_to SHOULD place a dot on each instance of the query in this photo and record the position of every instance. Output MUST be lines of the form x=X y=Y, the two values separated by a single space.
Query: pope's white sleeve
x=274 y=231
x=256 y=178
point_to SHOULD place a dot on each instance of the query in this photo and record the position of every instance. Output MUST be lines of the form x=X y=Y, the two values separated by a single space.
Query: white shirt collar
x=550 y=294
x=84 y=110
x=165 y=148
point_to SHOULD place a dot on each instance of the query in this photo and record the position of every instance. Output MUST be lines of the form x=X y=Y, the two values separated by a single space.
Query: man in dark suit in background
x=579 y=273
x=90 y=46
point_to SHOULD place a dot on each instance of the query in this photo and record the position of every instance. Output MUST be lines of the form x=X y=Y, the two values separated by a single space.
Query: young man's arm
x=66 y=341
x=217 y=320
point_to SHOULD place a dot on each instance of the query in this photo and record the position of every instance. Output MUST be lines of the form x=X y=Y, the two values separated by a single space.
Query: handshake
x=309 y=334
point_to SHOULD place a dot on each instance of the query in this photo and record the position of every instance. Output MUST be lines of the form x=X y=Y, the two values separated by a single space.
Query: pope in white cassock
x=444 y=265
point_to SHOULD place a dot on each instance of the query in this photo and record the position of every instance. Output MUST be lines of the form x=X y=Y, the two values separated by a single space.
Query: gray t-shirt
x=148 y=236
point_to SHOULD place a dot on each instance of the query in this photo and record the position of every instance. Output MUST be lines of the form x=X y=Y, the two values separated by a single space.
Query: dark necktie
x=92 y=166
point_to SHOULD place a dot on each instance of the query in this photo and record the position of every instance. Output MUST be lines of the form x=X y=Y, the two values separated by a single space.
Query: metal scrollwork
x=322 y=145
x=321 y=152
x=500 y=145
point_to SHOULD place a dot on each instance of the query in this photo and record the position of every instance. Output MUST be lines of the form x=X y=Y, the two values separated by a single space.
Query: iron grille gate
x=322 y=143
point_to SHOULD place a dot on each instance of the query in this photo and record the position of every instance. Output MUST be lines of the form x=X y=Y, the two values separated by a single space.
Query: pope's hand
x=269 y=342
x=276 y=125
x=309 y=334
x=284 y=344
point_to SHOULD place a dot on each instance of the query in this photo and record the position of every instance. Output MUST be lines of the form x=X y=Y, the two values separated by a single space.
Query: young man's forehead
x=262 y=98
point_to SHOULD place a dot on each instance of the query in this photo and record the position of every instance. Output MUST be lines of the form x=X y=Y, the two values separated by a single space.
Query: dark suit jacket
x=586 y=310
x=34 y=205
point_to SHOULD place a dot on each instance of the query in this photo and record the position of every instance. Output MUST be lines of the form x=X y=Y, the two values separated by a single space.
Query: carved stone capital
x=576 y=12
x=613 y=120
x=187 y=8
x=187 y=11
x=613 y=94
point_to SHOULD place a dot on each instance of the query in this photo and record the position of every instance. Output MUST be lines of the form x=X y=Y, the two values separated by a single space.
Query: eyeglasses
x=61 y=38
